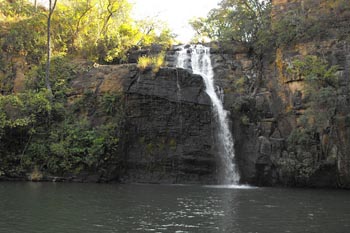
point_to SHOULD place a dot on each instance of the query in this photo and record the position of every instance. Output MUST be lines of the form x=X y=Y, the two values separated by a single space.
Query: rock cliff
x=268 y=104
x=166 y=128
x=169 y=128
x=167 y=123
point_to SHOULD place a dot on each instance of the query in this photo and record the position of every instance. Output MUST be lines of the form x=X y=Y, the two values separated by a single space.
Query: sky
x=176 y=13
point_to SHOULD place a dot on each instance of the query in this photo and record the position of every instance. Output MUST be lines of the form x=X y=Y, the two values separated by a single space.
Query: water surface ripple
x=107 y=208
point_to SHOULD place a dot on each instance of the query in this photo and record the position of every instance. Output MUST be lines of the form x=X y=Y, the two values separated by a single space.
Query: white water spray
x=197 y=57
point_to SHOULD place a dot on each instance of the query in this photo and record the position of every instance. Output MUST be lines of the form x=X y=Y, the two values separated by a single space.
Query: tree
x=109 y=9
x=244 y=21
x=321 y=94
x=151 y=30
x=52 y=6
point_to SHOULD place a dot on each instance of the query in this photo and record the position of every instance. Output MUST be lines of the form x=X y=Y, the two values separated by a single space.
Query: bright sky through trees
x=176 y=13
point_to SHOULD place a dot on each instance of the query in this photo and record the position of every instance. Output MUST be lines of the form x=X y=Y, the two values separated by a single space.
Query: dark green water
x=84 y=208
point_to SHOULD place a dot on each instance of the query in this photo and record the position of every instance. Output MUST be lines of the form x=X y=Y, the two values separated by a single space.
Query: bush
x=322 y=92
x=151 y=61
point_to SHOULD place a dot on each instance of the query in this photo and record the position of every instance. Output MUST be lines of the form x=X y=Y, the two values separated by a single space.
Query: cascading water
x=197 y=58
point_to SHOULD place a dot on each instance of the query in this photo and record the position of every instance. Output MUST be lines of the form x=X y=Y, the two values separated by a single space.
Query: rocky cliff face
x=167 y=127
x=167 y=123
x=269 y=104
x=324 y=161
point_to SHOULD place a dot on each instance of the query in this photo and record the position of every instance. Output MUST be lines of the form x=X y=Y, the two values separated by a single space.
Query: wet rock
x=169 y=124
x=167 y=136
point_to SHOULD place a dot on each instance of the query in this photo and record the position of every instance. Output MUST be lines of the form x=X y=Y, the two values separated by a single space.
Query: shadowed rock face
x=168 y=131
x=167 y=123
x=169 y=128
x=264 y=116
x=265 y=113
x=171 y=84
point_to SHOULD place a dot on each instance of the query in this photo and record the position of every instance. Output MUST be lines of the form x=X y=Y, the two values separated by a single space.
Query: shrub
x=155 y=62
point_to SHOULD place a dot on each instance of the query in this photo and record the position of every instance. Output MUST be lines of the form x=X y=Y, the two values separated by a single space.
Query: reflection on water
x=80 y=208
x=230 y=186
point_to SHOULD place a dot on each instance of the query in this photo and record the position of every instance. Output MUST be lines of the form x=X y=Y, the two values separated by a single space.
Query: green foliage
x=154 y=31
x=241 y=85
x=298 y=168
x=314 y=141
x=85 y=26
x=309 y=22
x=103 y=31
x=151 y=61
x=150 y=148
x=77 y=146
x=112 y=104
x=14 y=9
x=21 y=117
x=46 y=133
x=245 y=21
x=252 y=23
x=26 y=38
x=245 y=120
x=302 y=137
x=24 y=110
x=316 y=72
x=321 y=87
x=172 y=143
x=322 y=92
x=100 y=30
x=31 y=136
x=37 y=131
x=62 y=71
x=296 y=26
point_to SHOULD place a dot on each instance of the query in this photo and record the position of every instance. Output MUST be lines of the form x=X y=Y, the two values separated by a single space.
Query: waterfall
x=197 y=58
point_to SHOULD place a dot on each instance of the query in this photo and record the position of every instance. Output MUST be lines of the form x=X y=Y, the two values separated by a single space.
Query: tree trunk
x=48 y=61
x=47 y=76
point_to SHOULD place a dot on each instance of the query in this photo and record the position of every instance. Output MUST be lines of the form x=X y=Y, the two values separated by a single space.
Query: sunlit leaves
x=321 y=90
x=316 y=73
x=154 y=62
x=23 y=110
x=99 y=30
x=26 y=38
x=235 y=20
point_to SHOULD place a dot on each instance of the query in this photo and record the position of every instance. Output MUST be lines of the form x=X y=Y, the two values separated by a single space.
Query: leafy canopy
x=100 y=30
x=235 y=20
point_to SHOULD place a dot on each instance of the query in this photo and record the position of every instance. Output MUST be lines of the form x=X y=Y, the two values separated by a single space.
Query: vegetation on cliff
x=306 y=43
x=47 y=132
x=244 y=21
x=296 y=53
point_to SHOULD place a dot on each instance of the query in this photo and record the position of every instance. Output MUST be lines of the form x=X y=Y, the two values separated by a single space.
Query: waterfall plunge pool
x=101 y=208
